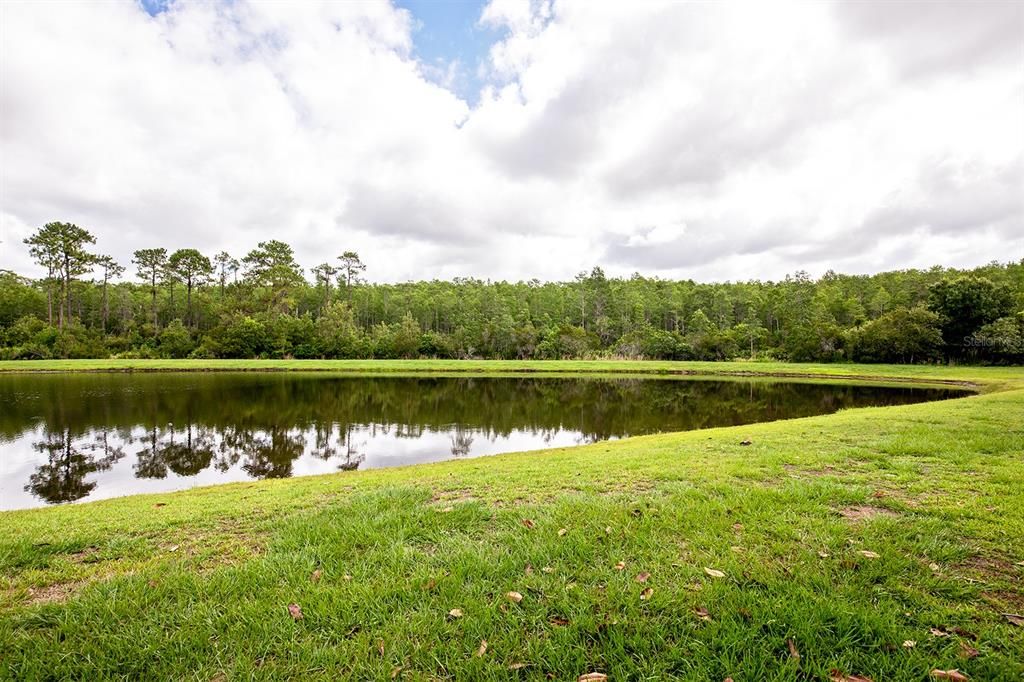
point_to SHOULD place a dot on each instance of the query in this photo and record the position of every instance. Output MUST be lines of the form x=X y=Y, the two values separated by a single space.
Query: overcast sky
x=522 y=139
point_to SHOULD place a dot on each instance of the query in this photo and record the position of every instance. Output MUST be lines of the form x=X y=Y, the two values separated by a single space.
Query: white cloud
x=683 y=139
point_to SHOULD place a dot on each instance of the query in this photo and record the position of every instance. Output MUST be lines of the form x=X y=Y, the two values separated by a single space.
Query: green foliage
x=901 y=335
x=244 y=337
x=273 y=312
x=1002 y=340
x=965 y=304
x=175 y=341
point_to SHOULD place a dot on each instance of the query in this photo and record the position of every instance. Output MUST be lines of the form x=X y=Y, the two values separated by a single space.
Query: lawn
x=881 y=542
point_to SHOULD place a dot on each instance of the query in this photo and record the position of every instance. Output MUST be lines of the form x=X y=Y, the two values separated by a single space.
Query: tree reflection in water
x=62 y=477
x=259 y=425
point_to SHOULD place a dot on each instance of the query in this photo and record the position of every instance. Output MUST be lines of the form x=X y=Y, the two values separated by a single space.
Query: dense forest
x=188 y=304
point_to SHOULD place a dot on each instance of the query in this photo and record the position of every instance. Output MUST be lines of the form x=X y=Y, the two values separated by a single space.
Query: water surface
x=69 y=437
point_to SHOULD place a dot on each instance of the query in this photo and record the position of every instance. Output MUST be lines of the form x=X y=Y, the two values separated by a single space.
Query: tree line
x=184 y=303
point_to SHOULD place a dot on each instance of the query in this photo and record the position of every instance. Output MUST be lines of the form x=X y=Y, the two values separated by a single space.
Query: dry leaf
x=514 y=596
x=646 y=594
x=529 y=523
x=933 y=566
x=395 y=671
x=737 y=526
x=529 y=569
x=547 y=569
x=967 y=651
x=346 y=577
x=714 y=573
x=483 y=648
x=954 y=675
x=936 y=632
x=558 y=621
x=868 y=553
x=620 y=566
x=592 y=677
x=380 y=646
x=1015 y=619
x=317 y=574
x=455 y=613
x=909 y=644
x=517 y=666
x=793 y=652
x=642 y=577
x=840 y=676
x=430 y=584
x=702 y=613
x=608 y=530
x=295 y=611
x=823 y=555
x=562 y=531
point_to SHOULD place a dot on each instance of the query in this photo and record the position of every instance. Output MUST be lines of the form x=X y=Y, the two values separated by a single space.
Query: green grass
x=196 y=584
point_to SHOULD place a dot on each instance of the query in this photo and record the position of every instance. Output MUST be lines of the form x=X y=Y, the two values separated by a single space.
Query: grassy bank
x=985 y=377
x=841 y=538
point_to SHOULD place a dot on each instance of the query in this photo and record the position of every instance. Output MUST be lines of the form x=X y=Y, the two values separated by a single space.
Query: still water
x=74 y=437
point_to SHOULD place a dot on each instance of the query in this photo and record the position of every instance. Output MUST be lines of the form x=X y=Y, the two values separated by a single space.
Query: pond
x=70 y=437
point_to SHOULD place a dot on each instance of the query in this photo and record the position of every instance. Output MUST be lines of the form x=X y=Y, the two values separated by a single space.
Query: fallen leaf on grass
x=517 y=666
x=642 y=577
x=737 y=526
x=608 y=530
x=455 y=613
x=968 y=651
x=558 y=621
x=529 y=569
x=823 y=555
x=954 y=675
x=646 y=594
x=592 y=677
x=380 y=647
x=620 y=566
x=936 y=632
x=868 y=553
x=702 y=613
x=483 y=648
x=909 y=644
x=317 y=574
x=395 y=671
x=840 y=676
x=429 y=585
x=562 y=531
x=933 y=566
x=346 y=577
x=1015 y=619
x=296 y=611
x=529 y=523
x=514 y=596
x=794 y=653
x=547 y=569
x=714 y=573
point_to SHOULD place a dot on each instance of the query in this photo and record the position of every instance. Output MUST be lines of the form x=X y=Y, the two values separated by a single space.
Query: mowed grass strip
x=827 y=544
